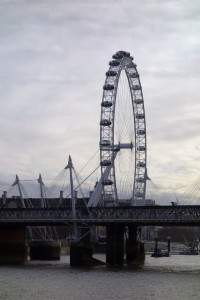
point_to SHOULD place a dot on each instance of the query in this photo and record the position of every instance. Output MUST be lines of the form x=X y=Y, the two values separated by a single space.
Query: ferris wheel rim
x=123 y=61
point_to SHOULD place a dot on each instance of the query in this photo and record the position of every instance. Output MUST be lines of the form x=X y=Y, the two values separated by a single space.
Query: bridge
x=180 y=215
x=117 y=220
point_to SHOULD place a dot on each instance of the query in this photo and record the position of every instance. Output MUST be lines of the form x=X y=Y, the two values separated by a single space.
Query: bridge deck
x=142 y=215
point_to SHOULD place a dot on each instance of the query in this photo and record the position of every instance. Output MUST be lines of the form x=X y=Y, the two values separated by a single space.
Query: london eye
x=123 y=148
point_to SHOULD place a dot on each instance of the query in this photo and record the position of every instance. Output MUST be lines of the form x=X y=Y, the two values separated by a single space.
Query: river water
x=175 y=277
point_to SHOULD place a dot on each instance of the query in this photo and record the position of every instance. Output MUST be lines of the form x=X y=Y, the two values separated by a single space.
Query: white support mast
x=20 y=191
x=146 y=177
x=70 y=167
x=96 y=195
x=41 y=190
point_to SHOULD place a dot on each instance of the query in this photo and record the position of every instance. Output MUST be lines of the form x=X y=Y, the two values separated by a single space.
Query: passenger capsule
x=105 y=163
x=105 y=122
x=130 y=65
x=141 y=148
x=111 y=73
x=105 y=143
x=141 y=164
x=138 y=101
x=107 y=182
x=140 y=179
x=108 y=87
x=134 y=75
x=125 y=53
x=141 y=131
x=139 y=116
x=136 y=87
x=117 y=56
x=114 y=63
x=106 y=104
x=116 y=149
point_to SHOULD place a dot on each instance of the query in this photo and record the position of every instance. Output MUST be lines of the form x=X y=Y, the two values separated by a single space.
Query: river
x=175 y=277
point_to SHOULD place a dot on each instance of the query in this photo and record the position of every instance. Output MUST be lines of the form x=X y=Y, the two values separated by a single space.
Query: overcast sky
x=53 y=59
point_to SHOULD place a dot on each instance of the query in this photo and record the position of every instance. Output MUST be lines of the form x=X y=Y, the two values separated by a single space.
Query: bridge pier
x=135 y=252
x=13 y=248
x=81 y=252
x=45 y=250
x=115 y=244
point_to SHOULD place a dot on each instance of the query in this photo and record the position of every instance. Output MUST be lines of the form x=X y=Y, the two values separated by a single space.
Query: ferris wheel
x=123 y=148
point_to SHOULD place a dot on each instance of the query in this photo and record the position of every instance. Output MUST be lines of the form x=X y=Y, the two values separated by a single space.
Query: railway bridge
x=115 y=219
x=180 y=215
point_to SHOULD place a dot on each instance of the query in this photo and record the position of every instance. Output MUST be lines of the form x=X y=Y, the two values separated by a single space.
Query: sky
x=53 y=59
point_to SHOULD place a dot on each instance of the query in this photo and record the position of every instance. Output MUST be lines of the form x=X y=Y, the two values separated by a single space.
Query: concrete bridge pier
x=135 y=252
x=81 y=252
x=115 y=244
x=13 y=248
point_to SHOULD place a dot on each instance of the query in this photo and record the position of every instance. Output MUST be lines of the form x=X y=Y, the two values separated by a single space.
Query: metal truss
x=141 y=215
